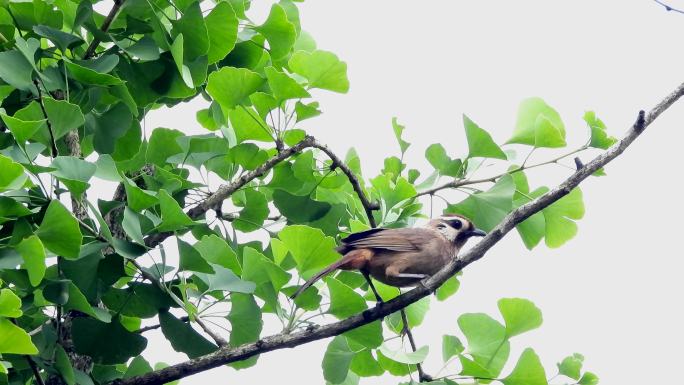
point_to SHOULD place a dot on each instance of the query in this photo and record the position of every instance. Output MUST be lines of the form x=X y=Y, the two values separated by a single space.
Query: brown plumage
x=401 y=257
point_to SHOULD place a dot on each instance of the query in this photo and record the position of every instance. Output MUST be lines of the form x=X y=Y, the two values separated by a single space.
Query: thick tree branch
x=104 y=28
x=425 y=288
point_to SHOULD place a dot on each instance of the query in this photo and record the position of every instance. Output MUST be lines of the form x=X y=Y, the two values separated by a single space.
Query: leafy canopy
x=100 y=266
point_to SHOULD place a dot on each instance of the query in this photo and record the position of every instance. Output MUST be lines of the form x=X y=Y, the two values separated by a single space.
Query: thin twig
x=465 y=182
x=157 y=326
x=425 y=288
x=105 y=27
x=668 y=8
x=53 y=143
x=368 y=206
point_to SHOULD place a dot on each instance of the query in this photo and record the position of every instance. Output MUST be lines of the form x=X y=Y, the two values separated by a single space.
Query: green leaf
x=65 y=293
x=144 y=49
x=451 y=346
x=546 y=134
x=393 y=367
x=283 y=86
x=415 y=313
x=191 y=259
x=599 y=135
x=487 y=342
x=23 y=130
x=16 y=71
x=322 y=69
x=472 y=368
x=246 y=323
x=406 y=358
x=137 y=198
x=89 y=76
x=279 y=32
x=230 y=86
x=225 y=280
x=344 y=301
x=217 y=251
x=64 y=116
x=138 y=366
x=62 y=40
x=11 y=209
x=191 y=26
x=33 y=253
x=248 y=125
x=74 y=173
x=538 y=125
x=571 y=366
x=337 y=360
x=255 y=210
x=12 y=176
x=60 y=231
x=487 y=209
x=398 y=131
x=520 y=315
x=222 y=27
x=309 y=247
x=528 y=370
x=532 y=229
x=299 y=209
x=183 y=337
x=480 y=142
x=106 y=343
x=177 y=54
x=560 y=216
x=163 y=145
x=588 y=378
x=173 y=217
x=63 y=365
x=306 y=111
x=10 y=304
x=438 y=158
x=448 y=288
x=261 y=270
x=14 y=339
x=369 y=335
x=365 y=365
x=109 y=127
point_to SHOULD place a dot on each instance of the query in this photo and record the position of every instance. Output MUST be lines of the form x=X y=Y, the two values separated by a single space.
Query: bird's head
x=455 y=228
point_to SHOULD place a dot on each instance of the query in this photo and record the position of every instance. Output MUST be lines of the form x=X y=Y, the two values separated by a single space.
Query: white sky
x=614 y=292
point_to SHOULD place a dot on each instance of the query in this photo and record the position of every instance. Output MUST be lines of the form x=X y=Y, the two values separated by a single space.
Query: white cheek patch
x=450 y=234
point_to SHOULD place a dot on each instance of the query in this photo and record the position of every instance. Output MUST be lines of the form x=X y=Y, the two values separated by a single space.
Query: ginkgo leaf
x=480 y=142
x=322 y=69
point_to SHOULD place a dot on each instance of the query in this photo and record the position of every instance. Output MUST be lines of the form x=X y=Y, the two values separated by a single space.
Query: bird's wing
x=389 y=239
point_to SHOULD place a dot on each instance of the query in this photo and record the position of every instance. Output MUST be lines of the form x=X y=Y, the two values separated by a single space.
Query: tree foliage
x=85 y=274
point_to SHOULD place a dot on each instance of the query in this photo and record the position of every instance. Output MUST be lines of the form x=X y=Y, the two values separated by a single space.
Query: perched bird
x=401 y=257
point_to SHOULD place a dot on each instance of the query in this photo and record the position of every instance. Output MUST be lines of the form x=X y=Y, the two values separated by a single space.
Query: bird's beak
x=476 y=233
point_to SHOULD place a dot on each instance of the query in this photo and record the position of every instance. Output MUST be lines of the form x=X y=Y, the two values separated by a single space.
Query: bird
x=401 y=257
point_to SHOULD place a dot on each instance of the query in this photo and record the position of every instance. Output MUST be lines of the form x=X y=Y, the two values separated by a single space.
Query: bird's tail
x=349 y=257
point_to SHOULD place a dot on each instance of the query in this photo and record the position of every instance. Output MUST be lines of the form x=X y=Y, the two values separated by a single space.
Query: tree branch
x=425 y=288
x=668 y=8
x=456 y=183
x=105 y=27
x=368 y=206
x=224 y=191
x=157 y=326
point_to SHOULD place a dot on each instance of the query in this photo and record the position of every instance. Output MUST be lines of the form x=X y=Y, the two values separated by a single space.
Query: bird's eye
x=456 y=224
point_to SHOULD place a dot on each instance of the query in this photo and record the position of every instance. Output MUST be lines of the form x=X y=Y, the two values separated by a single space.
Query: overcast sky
x=614 y=292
